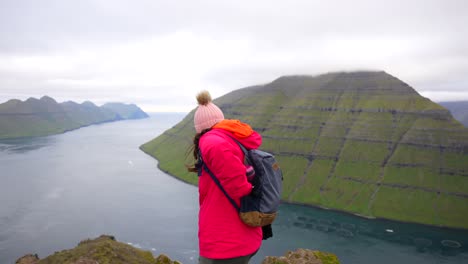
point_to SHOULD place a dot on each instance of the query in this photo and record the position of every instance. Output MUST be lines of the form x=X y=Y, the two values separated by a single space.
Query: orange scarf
x=239 y=129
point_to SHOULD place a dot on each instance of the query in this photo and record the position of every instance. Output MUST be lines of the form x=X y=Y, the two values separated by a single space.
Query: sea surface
x=58 y=190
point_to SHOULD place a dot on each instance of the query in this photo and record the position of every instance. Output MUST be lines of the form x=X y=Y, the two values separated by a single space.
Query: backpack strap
x=216 y=180
x=246 y=156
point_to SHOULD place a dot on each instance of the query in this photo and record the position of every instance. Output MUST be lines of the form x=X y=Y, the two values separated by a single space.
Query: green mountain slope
x=41 y=117
x=459 y=110
x=362 y=142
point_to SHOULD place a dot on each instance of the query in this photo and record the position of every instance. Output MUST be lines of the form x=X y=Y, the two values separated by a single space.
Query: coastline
x=373 y=217
x=65 y=131
x=166 y=172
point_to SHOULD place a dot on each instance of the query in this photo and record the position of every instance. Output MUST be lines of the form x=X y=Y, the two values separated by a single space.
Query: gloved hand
x=267 y=232
x=256 y=183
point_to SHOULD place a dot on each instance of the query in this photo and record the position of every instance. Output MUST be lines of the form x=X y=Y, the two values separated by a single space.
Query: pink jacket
x=221 y=232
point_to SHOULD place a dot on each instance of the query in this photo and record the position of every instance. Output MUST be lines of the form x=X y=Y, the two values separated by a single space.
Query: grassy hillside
x=41 y=117
x=362 y=142
x=459 y=110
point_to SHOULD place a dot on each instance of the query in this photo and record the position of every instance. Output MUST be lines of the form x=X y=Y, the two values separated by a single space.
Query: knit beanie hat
x=207 y=114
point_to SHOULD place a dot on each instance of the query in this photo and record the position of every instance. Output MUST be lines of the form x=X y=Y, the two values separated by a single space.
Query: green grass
x=328 y=146
x=344 y=194
x=451 y=211
x=455 y=161
x=287 y=145
x=417 y=176
x=364 y=151
x=405 y=205
x=293 y=170
x=453 y=183
x=363 y=170
x=309 y=191
x=407 y=154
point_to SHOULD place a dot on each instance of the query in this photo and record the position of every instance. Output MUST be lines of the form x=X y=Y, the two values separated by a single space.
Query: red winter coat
x=221 y=233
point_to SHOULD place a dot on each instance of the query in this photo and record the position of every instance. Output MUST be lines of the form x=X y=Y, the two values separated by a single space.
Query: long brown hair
x=195 y=149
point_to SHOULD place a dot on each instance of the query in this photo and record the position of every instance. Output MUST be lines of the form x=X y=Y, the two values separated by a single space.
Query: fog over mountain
x=159 y=54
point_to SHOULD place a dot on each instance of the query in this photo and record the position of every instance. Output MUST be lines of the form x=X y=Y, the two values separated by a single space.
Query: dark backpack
x=259 y=208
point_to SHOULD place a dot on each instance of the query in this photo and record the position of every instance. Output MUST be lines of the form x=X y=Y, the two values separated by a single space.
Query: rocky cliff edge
x=105 y=249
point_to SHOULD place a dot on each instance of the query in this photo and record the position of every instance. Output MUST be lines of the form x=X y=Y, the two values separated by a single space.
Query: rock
x=85 y=260
x=28 y=259
x=303 y=256
x=104 y=249
x=163 y=259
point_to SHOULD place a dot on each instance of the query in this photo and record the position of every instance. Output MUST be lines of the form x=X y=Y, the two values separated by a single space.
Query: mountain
x=126 y=111
x=459 y=110
x=360 y=142
x=44 y=116
x=105 y=249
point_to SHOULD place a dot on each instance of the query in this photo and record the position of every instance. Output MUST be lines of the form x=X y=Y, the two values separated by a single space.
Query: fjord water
x=58 y=190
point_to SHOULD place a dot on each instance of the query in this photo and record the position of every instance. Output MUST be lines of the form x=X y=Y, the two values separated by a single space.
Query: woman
x=223 y=237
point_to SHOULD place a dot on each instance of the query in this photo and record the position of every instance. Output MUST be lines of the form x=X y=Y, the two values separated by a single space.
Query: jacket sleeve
x=228 y=168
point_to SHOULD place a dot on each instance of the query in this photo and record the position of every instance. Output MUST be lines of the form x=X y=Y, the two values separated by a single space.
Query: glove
x=256 y=184
x=267 y=232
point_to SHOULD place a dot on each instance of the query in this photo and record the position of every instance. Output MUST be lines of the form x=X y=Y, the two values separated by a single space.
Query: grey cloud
x=30 y=24
x=283 y=37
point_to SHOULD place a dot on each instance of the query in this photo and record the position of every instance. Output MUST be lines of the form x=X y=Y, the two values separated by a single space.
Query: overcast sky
x=159 y=54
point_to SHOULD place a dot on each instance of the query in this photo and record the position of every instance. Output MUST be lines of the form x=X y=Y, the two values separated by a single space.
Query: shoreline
x=166 y=172
x=329 y=209
x=66 y=130
x=373 y=217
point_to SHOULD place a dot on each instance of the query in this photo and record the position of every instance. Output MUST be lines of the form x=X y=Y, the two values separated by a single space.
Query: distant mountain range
x=125 y=111
x=361 y=142
x=44 y=116
x=459 y=110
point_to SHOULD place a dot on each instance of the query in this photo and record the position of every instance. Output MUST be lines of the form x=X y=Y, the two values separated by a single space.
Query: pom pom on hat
x=204 y=98
x=207 y=113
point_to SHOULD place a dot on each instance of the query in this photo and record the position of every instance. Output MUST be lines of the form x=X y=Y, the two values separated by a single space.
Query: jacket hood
x=248 y=137
x=239 y=129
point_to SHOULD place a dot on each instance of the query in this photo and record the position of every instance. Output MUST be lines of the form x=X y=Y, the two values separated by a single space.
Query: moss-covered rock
x=106 y=250
x=303 y=256
x=28 y=259
x=102 y=250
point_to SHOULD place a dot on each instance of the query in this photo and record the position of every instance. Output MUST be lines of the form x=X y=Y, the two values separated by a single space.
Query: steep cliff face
x=361 y=142
x=41 y=117
x=126 y=111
